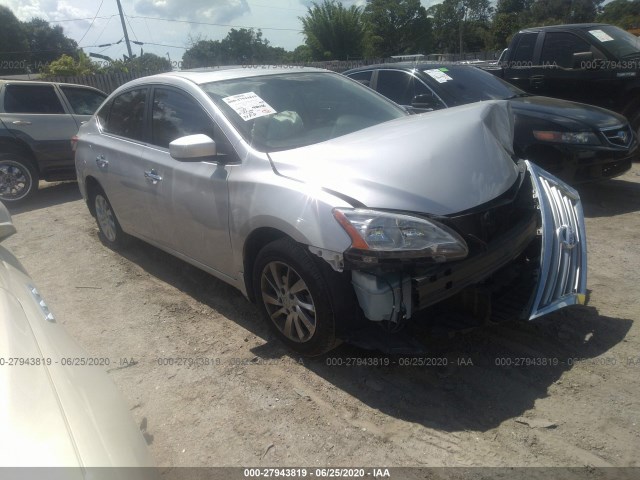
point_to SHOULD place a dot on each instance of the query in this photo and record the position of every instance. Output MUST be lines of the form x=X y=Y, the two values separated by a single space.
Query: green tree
x=623 y=13
x=462 y=25
x=67 y=66
x=146 y=62
x=14 y=56
x=240 y=46
x=552 y=12
x=47 y=43
x=510 y=16
x=397 y=27
x=333 y=32
x=302 y=53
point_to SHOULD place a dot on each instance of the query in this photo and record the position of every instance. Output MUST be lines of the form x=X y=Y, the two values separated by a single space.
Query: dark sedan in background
x=574 y=141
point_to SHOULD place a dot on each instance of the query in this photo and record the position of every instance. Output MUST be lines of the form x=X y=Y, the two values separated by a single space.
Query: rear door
x=36 y=115
x=82 y=101
x=117 y=163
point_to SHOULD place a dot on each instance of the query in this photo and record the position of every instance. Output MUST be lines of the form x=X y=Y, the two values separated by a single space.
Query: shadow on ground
x=48 y=195
x=491 y=374
x=610 y=198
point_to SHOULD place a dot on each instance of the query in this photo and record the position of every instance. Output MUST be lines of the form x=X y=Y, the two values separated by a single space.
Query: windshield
x=616 y=41
x=468 y=84
x=290 y=110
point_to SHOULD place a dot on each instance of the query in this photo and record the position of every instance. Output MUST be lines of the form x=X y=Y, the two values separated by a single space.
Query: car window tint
x=395 y=85
x=31 y=99
x=524 y=50
x=176 y=115
x=362 y=77
x=83 y=101
x=401 y=87
x=559 y=47
x=126 y=116
x=467 y=84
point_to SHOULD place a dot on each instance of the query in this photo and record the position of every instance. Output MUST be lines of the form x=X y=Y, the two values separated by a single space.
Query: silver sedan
x=328 y=205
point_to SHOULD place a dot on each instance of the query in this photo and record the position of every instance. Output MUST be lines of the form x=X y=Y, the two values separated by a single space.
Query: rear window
x=83 y=101
x=462 y=85
x=31 y=99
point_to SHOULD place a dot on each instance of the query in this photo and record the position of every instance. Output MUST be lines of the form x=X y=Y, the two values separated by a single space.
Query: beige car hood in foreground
x=56 y=415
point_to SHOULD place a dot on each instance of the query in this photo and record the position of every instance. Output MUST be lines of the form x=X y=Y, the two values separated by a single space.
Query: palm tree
x=332 y=31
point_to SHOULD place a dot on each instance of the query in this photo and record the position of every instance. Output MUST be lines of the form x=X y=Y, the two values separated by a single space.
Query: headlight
x=577 y=138
x=409 y=236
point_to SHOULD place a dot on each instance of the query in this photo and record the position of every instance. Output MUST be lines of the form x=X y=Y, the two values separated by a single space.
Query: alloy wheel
x=105 y=218
x=288 y=301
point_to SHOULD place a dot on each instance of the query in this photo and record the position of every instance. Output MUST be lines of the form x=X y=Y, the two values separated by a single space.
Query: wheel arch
x=256 y=240
x=18 y=147
x=92 y=186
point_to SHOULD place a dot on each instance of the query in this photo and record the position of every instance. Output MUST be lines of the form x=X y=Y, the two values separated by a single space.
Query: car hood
x=56 y=415
x=567 y=113
x=439 y=162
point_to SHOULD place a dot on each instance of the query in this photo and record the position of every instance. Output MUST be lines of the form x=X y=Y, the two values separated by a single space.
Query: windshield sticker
x=443 y=69
x=249 y=105
x=438 y=75
x=600 y=35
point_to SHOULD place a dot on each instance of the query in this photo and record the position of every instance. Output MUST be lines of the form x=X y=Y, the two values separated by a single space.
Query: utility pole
x=124 y=28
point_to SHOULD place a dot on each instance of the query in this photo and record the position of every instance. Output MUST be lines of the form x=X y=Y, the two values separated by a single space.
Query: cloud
x=49 y=10
x=216 y=11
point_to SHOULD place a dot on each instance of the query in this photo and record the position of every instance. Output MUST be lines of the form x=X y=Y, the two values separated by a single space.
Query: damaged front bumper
x=536 y=266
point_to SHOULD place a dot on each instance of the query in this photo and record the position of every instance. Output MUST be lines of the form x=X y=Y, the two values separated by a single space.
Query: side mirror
x=579 y=59
x=192 y=148
x=426 y=101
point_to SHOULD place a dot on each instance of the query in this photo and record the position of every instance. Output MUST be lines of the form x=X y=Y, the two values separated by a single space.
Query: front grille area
x=563 y=263
x=620 y=137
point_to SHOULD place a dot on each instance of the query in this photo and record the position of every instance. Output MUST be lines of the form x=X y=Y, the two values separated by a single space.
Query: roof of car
x=571 y=26
x=36 y=82
x=206 y=75
x=410 y=66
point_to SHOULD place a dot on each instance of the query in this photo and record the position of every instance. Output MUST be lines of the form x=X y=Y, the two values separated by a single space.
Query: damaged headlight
x=409 y=236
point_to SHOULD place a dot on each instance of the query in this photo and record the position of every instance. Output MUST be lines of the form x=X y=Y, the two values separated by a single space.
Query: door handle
x=101 y=161
x=153 y=176
x=536 y=80
x=21 y=123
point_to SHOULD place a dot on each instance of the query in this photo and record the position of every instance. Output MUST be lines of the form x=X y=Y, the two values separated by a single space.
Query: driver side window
x=175 y=114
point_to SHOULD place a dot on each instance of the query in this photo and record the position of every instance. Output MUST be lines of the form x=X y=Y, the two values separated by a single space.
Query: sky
x=167 y=27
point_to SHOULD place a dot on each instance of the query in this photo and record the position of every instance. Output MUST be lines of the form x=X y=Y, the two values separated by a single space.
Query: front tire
x=294 y=298
x=18 y=178
x=110 y=231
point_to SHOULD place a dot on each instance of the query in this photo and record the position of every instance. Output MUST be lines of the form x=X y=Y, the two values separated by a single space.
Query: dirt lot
x=256 y=405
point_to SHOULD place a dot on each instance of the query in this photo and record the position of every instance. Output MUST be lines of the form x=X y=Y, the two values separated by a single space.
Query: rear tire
x=294 y=297
x=111 y=233
x=18 y=178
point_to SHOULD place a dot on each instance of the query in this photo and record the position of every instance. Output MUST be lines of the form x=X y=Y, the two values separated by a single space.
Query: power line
x=191 y=22
x=91 y=25
x=80 y=19
x=164 y=45
x=102 y=32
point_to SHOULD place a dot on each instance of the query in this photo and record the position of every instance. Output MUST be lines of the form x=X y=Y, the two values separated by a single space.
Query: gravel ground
x=256 y=405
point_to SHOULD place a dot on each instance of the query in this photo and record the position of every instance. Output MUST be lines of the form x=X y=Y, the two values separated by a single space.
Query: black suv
x=37 y=122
